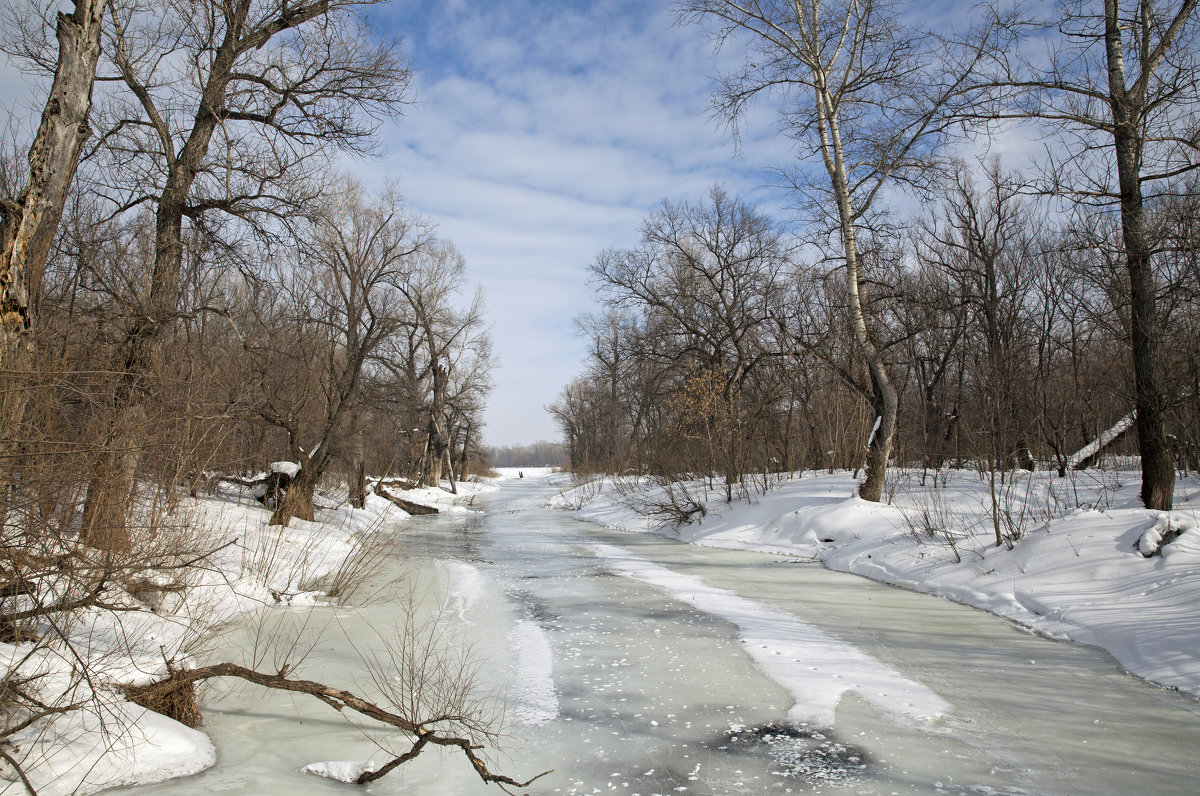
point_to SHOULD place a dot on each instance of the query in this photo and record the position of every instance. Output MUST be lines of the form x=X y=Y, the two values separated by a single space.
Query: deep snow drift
x=1078 y=570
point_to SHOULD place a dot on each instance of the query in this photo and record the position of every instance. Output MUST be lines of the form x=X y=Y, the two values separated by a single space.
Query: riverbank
x=100 y=740
x=1085 y=562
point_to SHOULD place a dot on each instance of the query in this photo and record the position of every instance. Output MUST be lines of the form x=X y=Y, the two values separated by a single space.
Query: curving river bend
x=638 y=665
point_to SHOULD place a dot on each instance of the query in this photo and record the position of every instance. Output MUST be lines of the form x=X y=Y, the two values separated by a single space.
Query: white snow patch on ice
x=532 y=698
x=341 y=770
x=1078 y=572
x=466 y=586
x=815 y=667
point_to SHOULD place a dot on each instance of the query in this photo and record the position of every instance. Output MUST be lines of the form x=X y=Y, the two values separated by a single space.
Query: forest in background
x=216 y=296
x=1007 y=321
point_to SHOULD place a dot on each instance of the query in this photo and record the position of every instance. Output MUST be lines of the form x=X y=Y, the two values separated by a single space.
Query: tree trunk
x=110 y=489
x=358 y=486
x=885 y=400
x=437 y=445
x=453 y=476
x=425 y=729
x=466 y=449
x=30 y=223
x=1158 y=467
x=298 y=502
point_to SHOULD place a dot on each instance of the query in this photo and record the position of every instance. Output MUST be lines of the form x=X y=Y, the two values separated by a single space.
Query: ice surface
x=816 y=668
x=1076 y=572
x=532 y=699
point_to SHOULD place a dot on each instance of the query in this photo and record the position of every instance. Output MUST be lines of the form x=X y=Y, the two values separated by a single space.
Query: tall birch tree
x=870 y=99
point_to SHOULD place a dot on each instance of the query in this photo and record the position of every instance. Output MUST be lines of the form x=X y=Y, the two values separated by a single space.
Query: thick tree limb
x=340 y=700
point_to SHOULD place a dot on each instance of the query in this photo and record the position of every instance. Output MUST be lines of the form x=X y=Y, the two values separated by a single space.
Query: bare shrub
x=373 y=547
x=667 y=502
x=584 y=487
x=929 y=518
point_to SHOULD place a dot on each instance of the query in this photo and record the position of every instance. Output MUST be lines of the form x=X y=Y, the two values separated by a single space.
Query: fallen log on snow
x=407 y=505
x=1086 y=456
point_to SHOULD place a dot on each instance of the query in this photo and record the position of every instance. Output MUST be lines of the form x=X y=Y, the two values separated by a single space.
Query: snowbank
x=251 y=564
x=1087 y=566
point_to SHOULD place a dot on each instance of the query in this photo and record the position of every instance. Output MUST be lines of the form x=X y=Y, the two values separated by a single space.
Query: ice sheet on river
x=532 y=698
x=815 y=667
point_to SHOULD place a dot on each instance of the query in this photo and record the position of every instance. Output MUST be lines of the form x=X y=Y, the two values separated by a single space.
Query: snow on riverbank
x=1076 y=572
x=250 y=565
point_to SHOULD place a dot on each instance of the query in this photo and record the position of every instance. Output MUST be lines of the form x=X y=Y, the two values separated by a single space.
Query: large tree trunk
x=31 y=222
x=146 y=335
x=466 y=449
x=438 y=444
x=1158 y=467
x=298 y=502
x=110 y=490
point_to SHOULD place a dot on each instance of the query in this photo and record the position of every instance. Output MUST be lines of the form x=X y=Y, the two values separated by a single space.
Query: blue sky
x=544 y=133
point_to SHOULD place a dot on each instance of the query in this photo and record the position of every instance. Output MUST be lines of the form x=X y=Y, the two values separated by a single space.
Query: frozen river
x=637 y=665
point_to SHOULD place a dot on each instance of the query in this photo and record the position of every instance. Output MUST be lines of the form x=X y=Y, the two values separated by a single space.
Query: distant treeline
x=535 y=454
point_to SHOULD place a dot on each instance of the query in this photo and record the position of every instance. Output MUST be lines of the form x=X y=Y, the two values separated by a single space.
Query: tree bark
x=466 y=449
x=30 y=223
x=298 y=502
x=437 y=445
x=358 y=486
x=885 y=400
x=1158 y=466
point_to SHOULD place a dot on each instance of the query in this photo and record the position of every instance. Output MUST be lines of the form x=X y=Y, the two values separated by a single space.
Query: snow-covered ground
x=114 y=742
x=1077 y=571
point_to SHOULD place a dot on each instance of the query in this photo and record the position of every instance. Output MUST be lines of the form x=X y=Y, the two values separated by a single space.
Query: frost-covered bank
x=93 y=738
x=1077 y=570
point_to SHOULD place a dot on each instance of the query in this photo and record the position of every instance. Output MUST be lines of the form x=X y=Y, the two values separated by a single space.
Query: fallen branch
x=338 y=699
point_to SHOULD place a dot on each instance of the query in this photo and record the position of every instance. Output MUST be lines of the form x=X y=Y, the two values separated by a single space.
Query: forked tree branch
x=340 y=700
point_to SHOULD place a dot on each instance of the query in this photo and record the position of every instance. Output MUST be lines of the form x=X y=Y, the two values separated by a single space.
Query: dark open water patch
x=800 y=751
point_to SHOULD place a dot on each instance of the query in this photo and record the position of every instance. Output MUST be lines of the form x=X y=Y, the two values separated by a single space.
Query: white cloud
x=544 y=134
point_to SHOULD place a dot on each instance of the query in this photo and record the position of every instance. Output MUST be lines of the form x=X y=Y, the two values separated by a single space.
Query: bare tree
x=982 y=242
x=445 y=337
x=342 y=302
x=223 y=111
x=29 y=221
x=1120 y=86
x=873 y=101
x=707 y=277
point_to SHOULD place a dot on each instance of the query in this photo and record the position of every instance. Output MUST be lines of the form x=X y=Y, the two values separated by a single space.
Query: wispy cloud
x=545 y=133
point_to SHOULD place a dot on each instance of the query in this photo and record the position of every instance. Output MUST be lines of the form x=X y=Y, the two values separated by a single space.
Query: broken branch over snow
x=340 y=700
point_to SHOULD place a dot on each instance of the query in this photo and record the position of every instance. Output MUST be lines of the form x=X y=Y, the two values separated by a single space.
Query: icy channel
x=636 y=665
x=815 y=667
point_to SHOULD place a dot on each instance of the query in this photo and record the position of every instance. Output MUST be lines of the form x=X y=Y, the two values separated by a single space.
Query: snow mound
x=124 y=744
x=341 y=770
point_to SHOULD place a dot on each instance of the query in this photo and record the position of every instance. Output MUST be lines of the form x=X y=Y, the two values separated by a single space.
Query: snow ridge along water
x=815 y=667
x=532 y=699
